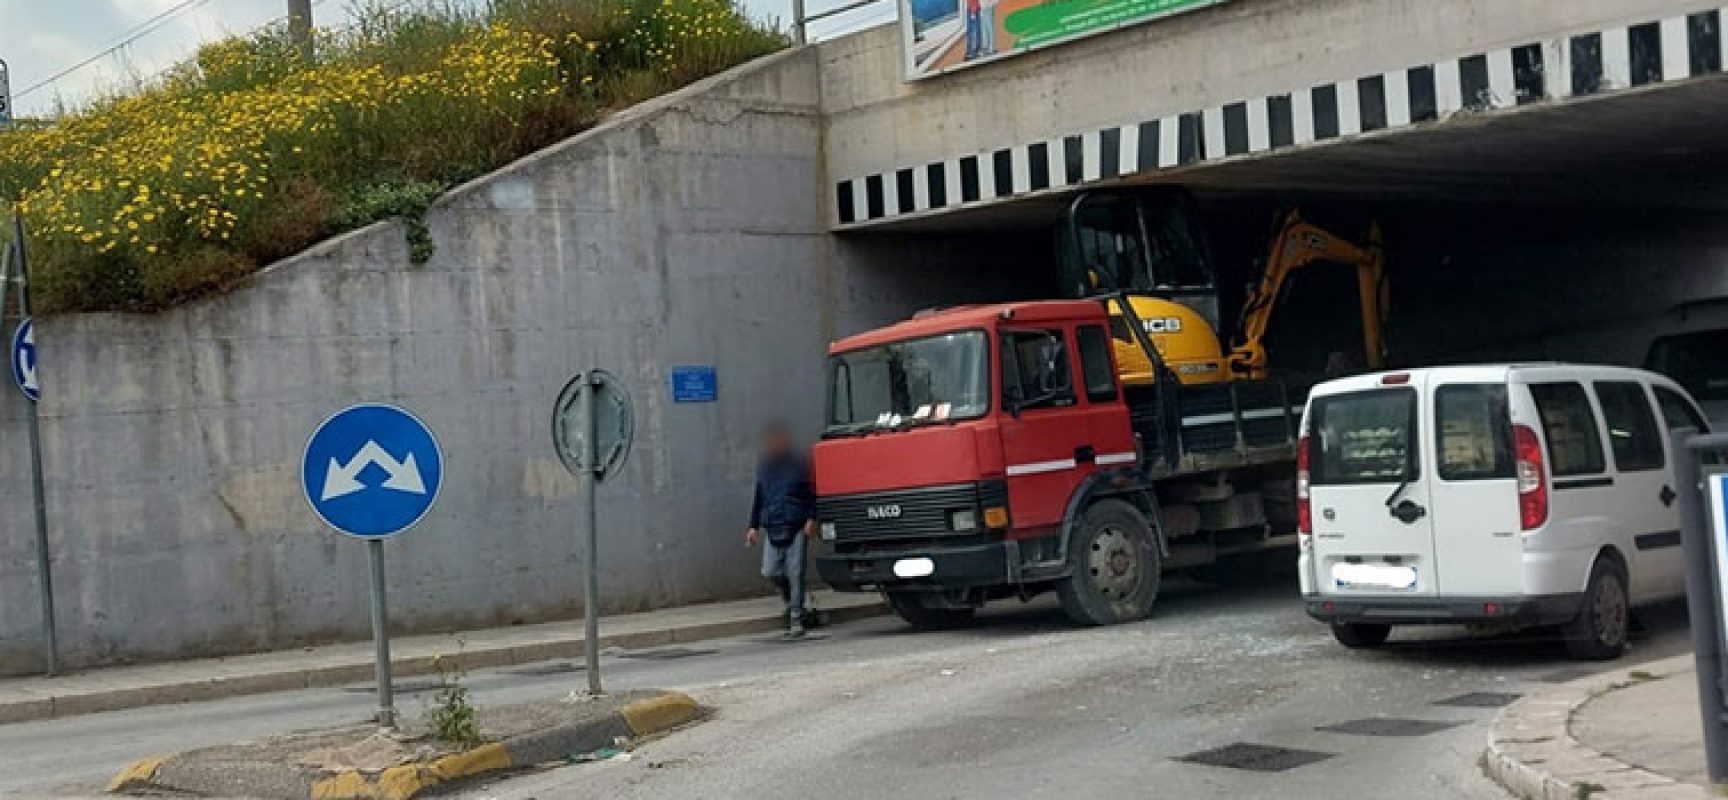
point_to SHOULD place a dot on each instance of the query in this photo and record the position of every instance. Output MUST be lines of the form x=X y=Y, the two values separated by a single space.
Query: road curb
x=49 y=706
x=1532 y=753
x=636 y=719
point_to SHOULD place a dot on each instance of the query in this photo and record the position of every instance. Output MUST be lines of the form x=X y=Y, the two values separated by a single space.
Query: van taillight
x=1532 y=483
x=1304 y=510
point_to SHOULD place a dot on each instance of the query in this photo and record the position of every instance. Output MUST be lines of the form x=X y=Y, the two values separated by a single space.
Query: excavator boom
x=1299 y=243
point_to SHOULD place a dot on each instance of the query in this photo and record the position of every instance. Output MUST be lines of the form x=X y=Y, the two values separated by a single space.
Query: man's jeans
x=974 y=33
x=784 y=565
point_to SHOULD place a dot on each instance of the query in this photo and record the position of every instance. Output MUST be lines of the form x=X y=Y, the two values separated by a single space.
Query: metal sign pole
x=33 y=428
x=381 y=637
x=799 y=34
x=1698 y=538
x=590 y=534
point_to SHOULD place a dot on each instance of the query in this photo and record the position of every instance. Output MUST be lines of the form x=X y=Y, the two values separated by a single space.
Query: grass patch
x=248 y=153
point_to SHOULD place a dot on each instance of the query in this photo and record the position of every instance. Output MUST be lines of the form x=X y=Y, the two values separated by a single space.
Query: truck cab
x=992 y=451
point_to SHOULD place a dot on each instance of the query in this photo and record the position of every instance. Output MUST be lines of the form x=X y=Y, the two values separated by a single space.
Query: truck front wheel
x=1114 y=566
x=925 y=611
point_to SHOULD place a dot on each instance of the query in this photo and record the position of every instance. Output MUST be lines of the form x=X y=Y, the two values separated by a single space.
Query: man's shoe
x=796 y=631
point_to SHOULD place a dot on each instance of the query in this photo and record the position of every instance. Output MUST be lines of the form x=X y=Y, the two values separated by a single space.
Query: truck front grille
x=909 y=513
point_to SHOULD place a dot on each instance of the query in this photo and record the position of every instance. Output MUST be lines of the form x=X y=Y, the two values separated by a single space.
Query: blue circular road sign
x=372 y=471
x=24 y=360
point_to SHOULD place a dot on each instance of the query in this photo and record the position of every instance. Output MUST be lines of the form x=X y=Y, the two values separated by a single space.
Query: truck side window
x=1475 y=432
x=1095 y=363
x=1632 y=430
x=1035 y=370
x=1677 y=412
x=1569 y=425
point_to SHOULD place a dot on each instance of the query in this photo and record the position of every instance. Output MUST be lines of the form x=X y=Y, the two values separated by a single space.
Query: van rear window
x=1475 y=431
x=1363 y=437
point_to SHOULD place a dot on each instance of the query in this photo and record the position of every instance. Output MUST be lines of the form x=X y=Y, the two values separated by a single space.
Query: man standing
x=783 y=513
x=974 y=29
x=987 y=28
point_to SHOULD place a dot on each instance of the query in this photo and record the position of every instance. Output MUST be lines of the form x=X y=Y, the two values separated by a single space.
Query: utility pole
x=5 y=95
x=300 y=27
x=800 y=32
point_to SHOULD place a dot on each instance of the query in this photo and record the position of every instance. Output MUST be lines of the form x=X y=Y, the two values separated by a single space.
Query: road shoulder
x=1533 y=752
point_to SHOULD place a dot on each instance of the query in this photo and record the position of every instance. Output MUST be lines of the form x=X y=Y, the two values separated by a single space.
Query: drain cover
x=554 y=668
x=1386 y=726
x=666 y=654
x=401 y=687
x=1255 y=757
x=1479 y=700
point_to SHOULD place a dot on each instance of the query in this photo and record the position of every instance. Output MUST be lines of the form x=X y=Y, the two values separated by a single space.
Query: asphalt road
x=1020 y=705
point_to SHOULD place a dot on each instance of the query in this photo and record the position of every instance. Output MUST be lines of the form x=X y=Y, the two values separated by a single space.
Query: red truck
x=991 y=451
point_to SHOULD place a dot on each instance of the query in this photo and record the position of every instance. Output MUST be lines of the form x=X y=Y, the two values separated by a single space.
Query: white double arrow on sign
x=341 y=480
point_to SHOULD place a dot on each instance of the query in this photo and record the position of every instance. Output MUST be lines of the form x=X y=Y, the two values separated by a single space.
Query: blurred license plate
x=1374 y=576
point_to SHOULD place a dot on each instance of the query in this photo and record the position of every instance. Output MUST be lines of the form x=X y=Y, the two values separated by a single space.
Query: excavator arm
x=1299 y=243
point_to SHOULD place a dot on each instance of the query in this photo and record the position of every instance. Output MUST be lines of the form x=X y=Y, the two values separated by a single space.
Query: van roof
x=949 y=320
x=1489 y=373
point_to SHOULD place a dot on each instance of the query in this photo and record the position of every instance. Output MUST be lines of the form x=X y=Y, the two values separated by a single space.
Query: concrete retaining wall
x=688 y=231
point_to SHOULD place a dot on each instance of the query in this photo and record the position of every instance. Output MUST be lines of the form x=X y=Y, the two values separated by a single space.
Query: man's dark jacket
x=785 y=498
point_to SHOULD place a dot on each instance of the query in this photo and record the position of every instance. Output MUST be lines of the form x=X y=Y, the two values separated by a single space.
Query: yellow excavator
x=1146 y=245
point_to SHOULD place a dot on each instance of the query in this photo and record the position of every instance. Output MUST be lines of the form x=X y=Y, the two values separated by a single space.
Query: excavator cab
x=1145 y=254
x=1147 y=246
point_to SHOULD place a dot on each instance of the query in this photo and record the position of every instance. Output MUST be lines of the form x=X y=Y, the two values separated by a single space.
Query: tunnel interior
x=1582 y=232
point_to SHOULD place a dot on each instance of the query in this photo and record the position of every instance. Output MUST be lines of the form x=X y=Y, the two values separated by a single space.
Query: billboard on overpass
x=945 y=35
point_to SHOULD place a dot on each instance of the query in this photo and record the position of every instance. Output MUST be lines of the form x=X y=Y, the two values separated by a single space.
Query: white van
x=1514 y=495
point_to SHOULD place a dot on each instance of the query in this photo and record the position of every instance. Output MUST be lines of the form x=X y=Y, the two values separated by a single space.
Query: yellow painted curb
x=656 y=714
x=136 y=775
x=404 y=782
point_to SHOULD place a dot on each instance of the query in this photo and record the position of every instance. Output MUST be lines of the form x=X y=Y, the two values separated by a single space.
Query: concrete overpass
x=1477 y=100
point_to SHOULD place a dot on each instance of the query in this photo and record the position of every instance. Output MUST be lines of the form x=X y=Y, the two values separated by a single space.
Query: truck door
x=1369 y=493
x=1045 y=434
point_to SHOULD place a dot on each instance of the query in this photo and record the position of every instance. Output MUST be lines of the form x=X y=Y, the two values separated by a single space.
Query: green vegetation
x=247 y=153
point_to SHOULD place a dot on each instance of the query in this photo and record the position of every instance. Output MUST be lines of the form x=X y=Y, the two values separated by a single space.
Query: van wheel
x=1114 y=567
x=1358 y=635
x=1598 y=633
x=918 y=611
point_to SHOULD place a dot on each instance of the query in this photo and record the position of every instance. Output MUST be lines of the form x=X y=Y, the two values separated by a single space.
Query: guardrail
x=801 y=19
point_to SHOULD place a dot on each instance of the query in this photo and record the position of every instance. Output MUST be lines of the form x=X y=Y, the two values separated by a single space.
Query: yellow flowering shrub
x=247 y=153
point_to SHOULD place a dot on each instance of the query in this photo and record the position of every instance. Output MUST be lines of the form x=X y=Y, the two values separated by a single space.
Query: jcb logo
x=1164 y=325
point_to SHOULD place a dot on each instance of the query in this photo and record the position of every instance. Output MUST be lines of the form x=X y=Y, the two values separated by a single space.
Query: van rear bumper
x=1522 y=610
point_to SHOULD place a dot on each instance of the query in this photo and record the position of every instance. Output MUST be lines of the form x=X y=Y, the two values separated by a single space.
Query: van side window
x=1035 y=370
x=1095 y=363
x=1632 y=430
x=1574 y=443
x=1677 y=412
x=1475 y=432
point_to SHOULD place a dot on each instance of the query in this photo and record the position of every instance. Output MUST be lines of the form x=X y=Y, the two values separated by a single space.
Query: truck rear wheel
x=924 y=611
x=1114 y=566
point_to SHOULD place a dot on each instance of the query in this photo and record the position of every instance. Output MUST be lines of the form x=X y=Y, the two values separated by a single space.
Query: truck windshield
x=1363 y=437
x=936 y=379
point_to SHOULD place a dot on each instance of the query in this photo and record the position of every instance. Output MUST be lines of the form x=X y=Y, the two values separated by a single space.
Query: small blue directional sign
x=372 y=471
x=695 y=385
x=24 y=360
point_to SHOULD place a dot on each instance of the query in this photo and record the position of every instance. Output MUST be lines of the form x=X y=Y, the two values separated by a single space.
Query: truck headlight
x=963 y=520
x=828 y=532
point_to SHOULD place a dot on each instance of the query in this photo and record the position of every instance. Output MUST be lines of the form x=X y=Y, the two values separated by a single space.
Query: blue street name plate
x=695 y=385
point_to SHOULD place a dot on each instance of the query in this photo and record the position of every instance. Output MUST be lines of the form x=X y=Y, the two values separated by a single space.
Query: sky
x=40 y=38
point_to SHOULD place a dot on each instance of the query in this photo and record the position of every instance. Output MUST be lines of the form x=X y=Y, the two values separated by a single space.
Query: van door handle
x=1085 y=454
x=1667 y=496
x=1408 y=512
